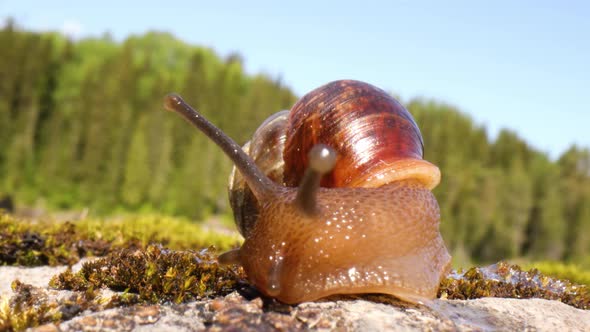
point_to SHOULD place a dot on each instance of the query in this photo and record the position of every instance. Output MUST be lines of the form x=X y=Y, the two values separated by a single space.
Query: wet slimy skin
x=361 y=241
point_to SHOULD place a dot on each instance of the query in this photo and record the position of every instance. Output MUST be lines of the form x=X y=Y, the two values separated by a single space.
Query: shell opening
x=421 y=170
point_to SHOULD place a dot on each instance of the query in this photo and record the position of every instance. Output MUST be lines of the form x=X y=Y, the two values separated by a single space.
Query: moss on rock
x=31 y=306
x=28 y=243
x=156 y=274
x=32 y=244
x=510 y=281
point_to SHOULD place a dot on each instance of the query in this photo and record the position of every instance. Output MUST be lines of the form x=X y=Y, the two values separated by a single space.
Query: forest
x=82 y=126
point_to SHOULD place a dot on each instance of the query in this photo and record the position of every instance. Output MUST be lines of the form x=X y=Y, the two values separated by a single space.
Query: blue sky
x=523 y=65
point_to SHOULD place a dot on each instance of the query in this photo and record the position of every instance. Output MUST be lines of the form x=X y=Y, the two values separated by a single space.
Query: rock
x=37 y=276
x=245 y=311
x=235 y=313
x=493 y=314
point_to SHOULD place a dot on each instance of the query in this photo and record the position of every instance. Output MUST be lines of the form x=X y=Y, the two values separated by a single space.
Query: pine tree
x=137 y=171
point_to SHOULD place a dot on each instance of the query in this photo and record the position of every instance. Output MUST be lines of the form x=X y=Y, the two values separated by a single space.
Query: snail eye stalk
x=322 y=159
x=260 y=184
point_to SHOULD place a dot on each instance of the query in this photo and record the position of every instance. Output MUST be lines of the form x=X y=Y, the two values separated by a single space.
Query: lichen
x=156 y=274
x=510 y=281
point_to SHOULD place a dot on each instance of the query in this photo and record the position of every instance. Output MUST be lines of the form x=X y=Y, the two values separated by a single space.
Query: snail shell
x=266 y=149
x=372 y=226
x=376 y=139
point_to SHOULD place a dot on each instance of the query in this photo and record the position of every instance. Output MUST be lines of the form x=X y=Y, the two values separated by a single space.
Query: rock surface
x=244 y=311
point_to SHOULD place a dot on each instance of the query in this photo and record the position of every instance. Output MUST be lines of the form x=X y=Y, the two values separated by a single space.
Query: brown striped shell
x=376 y=139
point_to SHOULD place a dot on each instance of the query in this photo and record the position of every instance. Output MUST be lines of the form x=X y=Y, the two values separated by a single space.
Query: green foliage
x=503 y=199
x=135 y=190
x=83 y=126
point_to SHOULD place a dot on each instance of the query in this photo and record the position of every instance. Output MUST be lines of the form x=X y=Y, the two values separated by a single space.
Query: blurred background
x=500 y=91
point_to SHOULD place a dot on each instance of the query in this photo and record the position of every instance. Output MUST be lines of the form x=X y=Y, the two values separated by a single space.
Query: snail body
x=334 y=197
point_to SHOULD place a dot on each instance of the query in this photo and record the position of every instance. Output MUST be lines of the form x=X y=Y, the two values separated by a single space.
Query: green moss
x=150 y=275
x=510 y=281
x=156 y=274
x=28 y=243
x=30 y=306
x=173 y=232
x=560 y=270
x=33 y=244
x=25 y=309
x=145 y=272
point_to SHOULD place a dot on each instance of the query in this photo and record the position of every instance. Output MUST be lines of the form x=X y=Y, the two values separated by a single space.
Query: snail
x=334 y=197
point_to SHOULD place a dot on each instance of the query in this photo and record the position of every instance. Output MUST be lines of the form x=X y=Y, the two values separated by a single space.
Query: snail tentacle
x=259 y=183
x=322 y=159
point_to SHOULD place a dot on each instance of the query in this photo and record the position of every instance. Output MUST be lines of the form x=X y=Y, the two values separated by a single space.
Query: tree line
x=82 y=125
